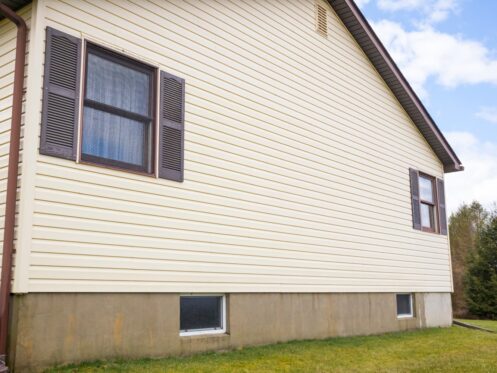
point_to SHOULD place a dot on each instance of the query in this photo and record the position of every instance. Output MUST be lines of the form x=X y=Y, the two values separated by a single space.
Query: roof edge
x=374 y=49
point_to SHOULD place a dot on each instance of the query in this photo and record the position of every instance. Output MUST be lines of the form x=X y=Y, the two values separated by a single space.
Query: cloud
x=424 y=53
x=432 y=10
x=479 y=179
x=361 y=3
x=488 y=113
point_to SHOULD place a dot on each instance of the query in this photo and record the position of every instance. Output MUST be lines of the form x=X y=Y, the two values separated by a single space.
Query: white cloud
x=432 y=10
x=361 y=3
x=488 y=113
x=479 y=179
x=450 y=59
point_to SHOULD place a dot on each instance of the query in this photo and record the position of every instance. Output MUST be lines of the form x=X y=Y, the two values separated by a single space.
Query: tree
x=465 y=227
x=481 y=279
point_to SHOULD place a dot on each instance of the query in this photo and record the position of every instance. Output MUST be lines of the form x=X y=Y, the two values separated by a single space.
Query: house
x=212 y=174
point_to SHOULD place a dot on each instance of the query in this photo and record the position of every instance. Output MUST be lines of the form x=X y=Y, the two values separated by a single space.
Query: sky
x=447 y=50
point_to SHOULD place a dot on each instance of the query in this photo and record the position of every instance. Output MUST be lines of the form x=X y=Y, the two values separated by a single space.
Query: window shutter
x=442 y=212
x=172 y=127
x=60 y=95
x=416 y=209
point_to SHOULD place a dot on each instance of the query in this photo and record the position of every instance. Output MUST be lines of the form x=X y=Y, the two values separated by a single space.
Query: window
x=202 y=314
x=427 y=199
x=428 y=203
x=131 y=115
x=118 y=111
x=404 y=305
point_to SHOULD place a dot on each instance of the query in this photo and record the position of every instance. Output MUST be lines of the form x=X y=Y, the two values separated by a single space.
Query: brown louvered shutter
x=172 y=128
x=60 y=95
x=416 y=208
x=442 y=212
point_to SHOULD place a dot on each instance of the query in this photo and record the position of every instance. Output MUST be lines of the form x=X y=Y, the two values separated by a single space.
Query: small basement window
x=404 y=305
x=202 y=314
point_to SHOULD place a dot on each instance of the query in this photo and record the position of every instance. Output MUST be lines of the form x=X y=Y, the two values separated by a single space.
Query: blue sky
x=447 y=49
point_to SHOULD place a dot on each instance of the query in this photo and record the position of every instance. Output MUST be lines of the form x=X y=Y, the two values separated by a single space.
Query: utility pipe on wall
x=13 y=172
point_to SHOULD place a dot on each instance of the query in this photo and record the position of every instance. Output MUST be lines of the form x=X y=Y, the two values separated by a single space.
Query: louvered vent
x=173 y=93
x=64 y=62
x=321 y=19
x=60 y=120
x=171 y=149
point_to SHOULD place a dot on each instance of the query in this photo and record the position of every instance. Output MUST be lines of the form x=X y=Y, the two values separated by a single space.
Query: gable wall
x=296 y=164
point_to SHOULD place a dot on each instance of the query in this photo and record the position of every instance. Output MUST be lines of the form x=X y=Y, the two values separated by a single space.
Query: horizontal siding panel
x=236 y=238
x=191 y=253
x=354 y=254
x=352 y=60
x=304 y=236
x=296 y=164
x=194 y=190
x=178 y=269
x=218 y=215
x=133 y=276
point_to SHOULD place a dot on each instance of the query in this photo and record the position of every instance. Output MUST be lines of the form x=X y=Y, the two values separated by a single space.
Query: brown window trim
x=433 y=204
x=151 y=145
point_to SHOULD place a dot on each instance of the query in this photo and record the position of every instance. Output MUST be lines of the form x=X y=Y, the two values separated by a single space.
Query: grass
x=486 y=324
x=453 y=349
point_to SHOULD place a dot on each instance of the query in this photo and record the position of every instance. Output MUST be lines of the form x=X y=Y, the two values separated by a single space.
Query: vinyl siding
x=8 y=39
x=296 y=164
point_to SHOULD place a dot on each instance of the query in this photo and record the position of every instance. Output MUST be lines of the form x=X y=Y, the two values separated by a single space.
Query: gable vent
x=321 y=19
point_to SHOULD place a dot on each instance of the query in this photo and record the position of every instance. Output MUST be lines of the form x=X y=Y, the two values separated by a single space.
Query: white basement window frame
x=210 y=330
x=411 y=306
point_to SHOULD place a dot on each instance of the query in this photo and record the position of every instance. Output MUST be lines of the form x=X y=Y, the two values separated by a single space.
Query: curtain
x=108 y=135
x=113 y=137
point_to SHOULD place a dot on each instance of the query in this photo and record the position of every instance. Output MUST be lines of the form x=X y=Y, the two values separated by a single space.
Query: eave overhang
x=362 y=32
x=15 y=5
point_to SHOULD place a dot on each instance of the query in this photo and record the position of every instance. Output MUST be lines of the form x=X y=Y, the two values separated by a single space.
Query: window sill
x=204 y=333
x=405 y=317
x=115 y=168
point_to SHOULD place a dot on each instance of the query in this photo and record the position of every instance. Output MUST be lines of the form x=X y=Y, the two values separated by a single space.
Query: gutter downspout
x=13 y=173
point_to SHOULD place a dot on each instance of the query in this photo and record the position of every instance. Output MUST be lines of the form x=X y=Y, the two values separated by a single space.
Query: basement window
x=202 y=314
x=404 y=305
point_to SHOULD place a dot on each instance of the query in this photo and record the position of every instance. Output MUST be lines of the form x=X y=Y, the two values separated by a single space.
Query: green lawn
x=486 y=324
x=453 y=349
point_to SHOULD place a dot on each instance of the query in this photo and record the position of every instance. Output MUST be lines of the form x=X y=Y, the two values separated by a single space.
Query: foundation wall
x=58 y=328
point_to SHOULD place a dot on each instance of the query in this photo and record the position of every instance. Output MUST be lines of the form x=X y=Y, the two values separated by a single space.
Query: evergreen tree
x=481 y=278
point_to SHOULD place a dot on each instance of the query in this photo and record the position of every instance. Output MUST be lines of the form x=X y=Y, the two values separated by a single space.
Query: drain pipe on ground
x=13 y=173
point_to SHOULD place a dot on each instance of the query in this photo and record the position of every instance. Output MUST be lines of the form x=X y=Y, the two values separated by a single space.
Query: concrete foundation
x=58 y=328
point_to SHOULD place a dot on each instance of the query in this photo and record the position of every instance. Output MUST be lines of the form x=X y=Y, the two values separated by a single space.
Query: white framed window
x=202 y=314
x=405 y=307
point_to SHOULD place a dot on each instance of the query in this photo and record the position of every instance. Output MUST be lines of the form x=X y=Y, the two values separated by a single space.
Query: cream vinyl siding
x=8 y=39
x=296 y=164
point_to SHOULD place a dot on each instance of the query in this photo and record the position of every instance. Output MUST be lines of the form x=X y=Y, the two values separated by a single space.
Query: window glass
x=117 y=119
x=427 y=216
x=404 y=305
x=201 y=313
x=113 y=137
x=426 y=189
x=116 y=85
